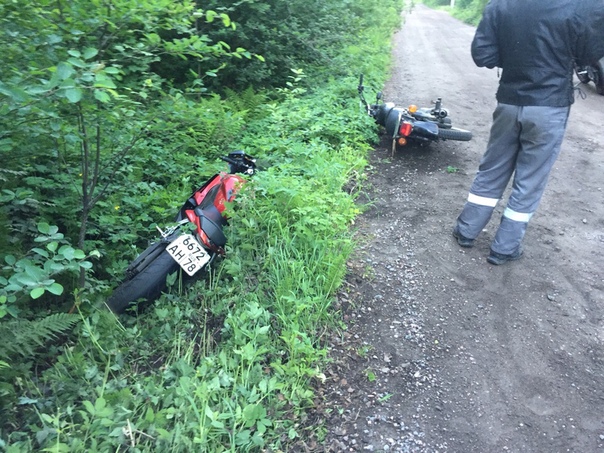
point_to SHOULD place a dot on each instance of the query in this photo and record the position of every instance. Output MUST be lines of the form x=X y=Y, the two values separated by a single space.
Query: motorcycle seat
x=210 y=212
x=212 y=230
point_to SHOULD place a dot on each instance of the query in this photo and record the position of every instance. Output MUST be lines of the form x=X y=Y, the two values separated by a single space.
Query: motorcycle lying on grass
x=146 y=277
x=412 y=124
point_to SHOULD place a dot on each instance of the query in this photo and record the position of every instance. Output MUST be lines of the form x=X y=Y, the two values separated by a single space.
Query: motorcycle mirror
x=379 y=95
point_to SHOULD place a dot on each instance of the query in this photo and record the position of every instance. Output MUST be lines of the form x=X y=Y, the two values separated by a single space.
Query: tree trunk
x=82 y=241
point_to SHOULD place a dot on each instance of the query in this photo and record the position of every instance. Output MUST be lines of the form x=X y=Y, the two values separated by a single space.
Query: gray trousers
x=524 y=142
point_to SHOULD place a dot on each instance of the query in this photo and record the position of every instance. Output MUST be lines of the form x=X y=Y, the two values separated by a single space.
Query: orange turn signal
x=401 y=141
x=412 y=108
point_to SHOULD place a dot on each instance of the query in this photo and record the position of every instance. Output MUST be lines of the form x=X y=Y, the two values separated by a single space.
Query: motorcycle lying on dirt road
x=146 y=277
x=412 y=124
x=592 y=73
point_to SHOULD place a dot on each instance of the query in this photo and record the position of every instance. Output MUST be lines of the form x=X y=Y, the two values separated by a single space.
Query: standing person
x=535 y=43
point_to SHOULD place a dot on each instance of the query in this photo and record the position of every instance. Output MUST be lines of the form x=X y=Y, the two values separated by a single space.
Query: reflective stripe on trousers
x=524 y=142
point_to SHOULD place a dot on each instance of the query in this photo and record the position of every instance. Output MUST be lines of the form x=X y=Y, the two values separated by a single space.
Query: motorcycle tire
x=582 y=75
x=599 y=78
x=454 y=134
x=148 y=283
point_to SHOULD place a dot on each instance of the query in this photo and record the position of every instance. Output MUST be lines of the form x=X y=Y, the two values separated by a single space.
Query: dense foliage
x=290 y=34
x=469 y=11
x=110 y=113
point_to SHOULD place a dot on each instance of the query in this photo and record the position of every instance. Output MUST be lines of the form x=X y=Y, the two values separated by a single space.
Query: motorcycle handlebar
x=229 y=160
x=246 y=164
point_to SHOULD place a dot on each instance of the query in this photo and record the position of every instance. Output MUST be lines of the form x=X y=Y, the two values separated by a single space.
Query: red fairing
x=222 y=188
x=228 y=186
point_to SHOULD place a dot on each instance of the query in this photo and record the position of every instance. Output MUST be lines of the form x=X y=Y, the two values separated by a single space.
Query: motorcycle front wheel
x=454 y=133
x=145 y=281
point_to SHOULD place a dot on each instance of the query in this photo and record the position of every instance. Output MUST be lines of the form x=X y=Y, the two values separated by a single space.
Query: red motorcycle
x=179 y=249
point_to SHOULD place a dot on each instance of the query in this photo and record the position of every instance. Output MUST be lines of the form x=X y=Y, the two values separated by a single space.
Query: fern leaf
x=22 y=337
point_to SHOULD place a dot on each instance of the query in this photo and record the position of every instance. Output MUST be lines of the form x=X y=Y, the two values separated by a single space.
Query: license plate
x=187 y=252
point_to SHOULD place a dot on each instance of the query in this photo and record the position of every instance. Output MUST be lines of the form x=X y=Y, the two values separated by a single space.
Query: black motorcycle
x=592 y=73
x=412 y=124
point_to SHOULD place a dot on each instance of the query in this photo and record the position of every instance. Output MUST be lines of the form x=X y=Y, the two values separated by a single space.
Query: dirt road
x=445 y=352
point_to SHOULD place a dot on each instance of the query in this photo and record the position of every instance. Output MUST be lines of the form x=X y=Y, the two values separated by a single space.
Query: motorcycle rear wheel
x=454 y=133
x=147 y=284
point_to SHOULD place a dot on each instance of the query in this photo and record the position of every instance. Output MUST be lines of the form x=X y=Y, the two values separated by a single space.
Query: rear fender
x=393 y=121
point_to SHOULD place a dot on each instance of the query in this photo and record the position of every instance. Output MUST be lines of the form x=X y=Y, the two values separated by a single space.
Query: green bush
x=229 y=363
x=469 y=11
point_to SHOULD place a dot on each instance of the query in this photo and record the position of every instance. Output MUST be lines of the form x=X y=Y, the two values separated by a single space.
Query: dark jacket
x=536 y=42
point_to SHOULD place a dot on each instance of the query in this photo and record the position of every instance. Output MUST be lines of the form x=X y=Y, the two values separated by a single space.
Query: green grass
x=230 y=363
